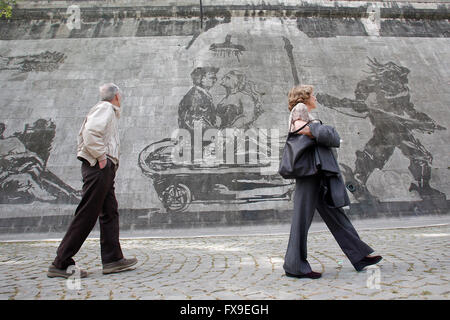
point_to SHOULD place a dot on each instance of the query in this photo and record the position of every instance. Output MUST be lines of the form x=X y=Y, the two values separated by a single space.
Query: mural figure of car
x=179 y=185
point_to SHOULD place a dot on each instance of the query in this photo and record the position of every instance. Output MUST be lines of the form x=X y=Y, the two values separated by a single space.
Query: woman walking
x=323 y=191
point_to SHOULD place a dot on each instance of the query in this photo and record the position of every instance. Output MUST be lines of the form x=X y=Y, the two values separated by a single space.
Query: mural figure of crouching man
x=98 y=150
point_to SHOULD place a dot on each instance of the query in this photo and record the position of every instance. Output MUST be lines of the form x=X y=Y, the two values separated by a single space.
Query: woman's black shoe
x=311 y=275
x=367 y=261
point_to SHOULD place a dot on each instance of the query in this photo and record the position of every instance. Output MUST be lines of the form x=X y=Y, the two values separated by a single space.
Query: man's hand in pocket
x=102 y=163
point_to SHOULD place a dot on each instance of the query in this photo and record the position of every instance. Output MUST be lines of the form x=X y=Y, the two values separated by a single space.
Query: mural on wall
x=45 y=61
x=225 y=99
x=288 y=47
x=239 y=108
x=24 y=176
x=227 y=48
x=241 y=105
x=383 y=98
x=197 y=106
x=180 y=184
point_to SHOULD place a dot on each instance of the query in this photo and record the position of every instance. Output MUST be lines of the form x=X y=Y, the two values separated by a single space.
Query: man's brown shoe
x=119 y=266
x=66 y=273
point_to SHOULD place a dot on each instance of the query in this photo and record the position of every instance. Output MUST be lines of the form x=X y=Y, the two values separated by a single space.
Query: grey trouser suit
x=308 y=198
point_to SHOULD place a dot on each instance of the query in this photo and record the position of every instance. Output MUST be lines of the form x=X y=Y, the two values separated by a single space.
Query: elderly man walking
x=98 y=150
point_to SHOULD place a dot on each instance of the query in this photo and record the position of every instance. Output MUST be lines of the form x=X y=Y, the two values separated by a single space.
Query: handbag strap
x=309 y=121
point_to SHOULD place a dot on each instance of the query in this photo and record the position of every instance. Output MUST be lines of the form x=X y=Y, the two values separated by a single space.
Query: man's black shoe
x=367 y=261
x=311 y=275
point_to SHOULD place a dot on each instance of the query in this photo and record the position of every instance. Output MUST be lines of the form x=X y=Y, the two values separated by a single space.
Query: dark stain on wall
x=108 y=22
x=154 y=218
x=315 y=21
x=316 y=27
x=45 y=61
x=415 y=28
x=288 y=47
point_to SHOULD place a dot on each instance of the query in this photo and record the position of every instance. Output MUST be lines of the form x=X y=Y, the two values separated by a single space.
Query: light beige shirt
x=98 y=138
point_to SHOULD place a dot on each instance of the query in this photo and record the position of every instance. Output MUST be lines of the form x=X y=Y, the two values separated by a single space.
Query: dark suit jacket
x=334 y=191
x=196 y=105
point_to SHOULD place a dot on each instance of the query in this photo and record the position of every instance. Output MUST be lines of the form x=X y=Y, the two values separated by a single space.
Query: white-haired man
x=98 y=149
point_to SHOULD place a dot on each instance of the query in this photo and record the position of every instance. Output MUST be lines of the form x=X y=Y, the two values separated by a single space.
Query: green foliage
x=6 y=7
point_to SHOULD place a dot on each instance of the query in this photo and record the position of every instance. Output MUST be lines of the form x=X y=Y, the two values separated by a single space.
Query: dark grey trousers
x=98 y=203
x=308 y=198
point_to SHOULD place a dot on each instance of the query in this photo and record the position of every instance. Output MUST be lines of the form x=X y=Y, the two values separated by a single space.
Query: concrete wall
x=380 y=70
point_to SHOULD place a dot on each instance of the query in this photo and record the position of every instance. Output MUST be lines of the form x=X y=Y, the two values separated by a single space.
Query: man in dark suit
x=197 y=105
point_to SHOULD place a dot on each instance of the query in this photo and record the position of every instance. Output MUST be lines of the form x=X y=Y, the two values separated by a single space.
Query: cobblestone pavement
x=415 y=266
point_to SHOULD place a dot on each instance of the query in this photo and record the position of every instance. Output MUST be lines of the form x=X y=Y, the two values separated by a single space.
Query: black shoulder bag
x=298 y=159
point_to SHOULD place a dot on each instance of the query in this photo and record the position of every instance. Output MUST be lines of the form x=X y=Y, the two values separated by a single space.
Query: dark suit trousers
x=98 y=202
x=309 y=197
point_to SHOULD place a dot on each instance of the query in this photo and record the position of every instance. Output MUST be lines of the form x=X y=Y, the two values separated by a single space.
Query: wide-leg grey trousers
x=309 y=197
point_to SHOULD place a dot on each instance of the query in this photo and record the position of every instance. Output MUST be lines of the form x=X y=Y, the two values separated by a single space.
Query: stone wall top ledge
x=421 y=9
